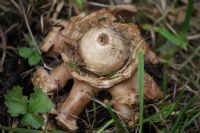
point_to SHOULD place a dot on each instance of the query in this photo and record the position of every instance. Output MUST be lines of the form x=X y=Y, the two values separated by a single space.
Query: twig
x=51 y=8
x=58 y=9
x=11 y=27
x=153 y=38
x=16 y=5
x=98 y=4
x=28 y=26
x=193 y=37
x=171 y=29
x=29 y=30
x=4 y=49
x=9 y=47
x=24 y=74
x=42 y=23
x=189 y=58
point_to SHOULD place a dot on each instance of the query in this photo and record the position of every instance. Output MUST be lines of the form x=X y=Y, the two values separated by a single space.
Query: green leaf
x=80 y=4
x=39 y=102
x=189 y=121
x=119 y=124
x=19 y=130
x=178 y=40
x=108 y=123
x=34 y=59
x=181 y=115
x=94 y=113
x=164 y=82
x=16 y=102
x=187 y=18
x=36 y=121
x=25 y=52
x=162 y=114
x=140 y=78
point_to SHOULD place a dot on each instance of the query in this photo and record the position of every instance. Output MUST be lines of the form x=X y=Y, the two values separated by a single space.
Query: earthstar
x=98 y=53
